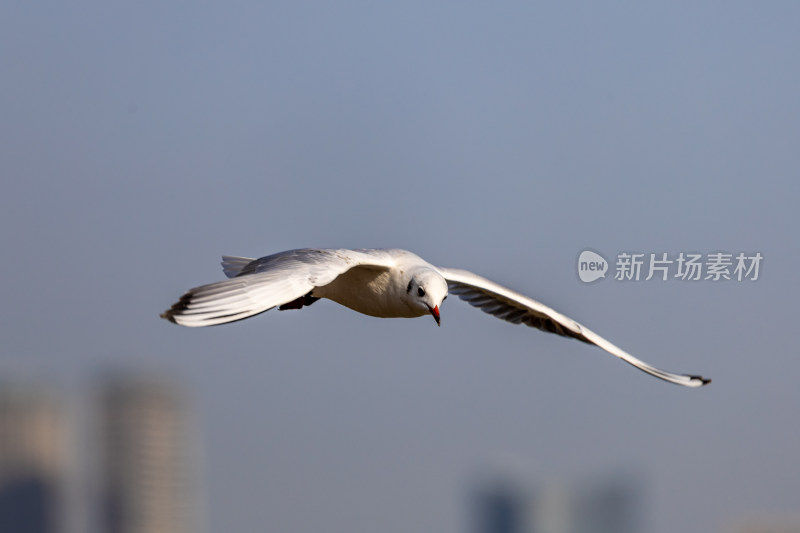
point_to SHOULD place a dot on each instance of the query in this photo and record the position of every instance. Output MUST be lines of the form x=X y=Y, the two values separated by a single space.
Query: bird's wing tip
x=703 y=381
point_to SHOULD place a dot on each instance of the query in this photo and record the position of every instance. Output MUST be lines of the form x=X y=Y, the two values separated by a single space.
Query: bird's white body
x=379 y=295
x=376 y=282
x=381 y=291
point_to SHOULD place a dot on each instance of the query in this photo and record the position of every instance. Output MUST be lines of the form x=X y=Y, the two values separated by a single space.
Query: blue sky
x=138 y=143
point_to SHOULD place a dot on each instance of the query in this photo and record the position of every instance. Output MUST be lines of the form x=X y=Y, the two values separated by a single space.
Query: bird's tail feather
x=234 y=265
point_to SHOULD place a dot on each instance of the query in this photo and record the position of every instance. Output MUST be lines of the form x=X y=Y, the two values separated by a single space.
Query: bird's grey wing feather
x=519 y=309
x=257 y=285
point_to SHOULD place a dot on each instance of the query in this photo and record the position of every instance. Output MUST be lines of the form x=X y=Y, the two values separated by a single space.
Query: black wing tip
x=177 y=308
x=703 y=381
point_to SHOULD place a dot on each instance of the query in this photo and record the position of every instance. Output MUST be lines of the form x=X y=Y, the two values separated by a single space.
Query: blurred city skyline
x=132 y=466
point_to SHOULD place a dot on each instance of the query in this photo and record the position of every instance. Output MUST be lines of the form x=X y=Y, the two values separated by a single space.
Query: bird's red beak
x=435 y=313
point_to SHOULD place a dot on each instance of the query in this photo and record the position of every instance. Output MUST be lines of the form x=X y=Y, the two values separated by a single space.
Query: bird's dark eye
x=421 y=291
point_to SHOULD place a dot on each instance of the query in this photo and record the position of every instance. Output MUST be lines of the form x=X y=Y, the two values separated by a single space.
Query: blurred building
x=500 y=507
x=597 y=506
x=33 y=444
x=145 y=459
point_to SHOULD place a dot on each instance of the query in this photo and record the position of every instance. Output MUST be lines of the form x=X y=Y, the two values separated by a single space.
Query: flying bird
x=375 y=282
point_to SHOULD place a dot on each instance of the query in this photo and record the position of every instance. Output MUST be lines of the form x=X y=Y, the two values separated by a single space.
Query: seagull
x=386 y=283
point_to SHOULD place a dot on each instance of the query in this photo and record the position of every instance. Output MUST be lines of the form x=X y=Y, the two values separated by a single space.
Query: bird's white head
x=426 y=291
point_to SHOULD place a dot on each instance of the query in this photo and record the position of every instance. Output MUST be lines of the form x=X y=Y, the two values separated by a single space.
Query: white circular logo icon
x=591 y=266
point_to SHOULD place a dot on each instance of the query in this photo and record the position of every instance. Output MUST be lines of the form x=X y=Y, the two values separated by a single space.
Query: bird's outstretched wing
x=258 y=285
x=519 y=309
